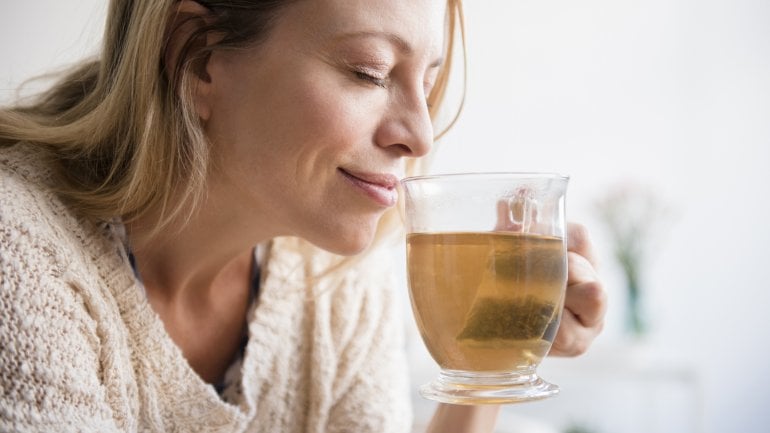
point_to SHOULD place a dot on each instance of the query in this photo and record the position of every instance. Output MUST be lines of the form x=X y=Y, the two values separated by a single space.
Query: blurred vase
x=636 y=323
x=634 y=217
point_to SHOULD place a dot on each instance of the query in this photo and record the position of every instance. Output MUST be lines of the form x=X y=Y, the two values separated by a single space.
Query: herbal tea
x=487 y=301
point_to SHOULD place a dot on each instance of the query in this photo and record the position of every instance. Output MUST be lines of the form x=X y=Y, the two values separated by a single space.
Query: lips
x=380 y=187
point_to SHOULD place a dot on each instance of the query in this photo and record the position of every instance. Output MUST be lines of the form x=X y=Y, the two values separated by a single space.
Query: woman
x=134 y=192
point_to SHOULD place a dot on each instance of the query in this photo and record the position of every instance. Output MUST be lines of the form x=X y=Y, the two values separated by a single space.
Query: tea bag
x=500 y=313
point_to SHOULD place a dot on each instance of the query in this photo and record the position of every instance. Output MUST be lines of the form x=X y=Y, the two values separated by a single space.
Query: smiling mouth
x=379 y=187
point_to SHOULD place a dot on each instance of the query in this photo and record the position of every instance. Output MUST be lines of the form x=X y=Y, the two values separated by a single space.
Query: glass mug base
x=461 y=387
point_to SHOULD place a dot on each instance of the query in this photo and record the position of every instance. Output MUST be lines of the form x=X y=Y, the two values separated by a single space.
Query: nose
x=406 y=127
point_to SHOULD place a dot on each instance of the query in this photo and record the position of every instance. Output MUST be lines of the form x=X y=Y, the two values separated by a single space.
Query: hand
x=586 y=300
x=450 y=418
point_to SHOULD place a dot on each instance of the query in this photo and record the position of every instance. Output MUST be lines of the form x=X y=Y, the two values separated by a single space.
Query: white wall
x=41 y=35
x=671 y=93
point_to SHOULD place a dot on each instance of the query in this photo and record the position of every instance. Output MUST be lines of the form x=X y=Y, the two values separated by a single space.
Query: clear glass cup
x=487 y=270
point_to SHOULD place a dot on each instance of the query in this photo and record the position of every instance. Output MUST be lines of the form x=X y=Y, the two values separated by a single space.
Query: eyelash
x=380 y=82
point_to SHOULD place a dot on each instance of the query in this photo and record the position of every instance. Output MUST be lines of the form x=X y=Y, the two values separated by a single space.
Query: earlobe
x=201 y=100
x=201 y=93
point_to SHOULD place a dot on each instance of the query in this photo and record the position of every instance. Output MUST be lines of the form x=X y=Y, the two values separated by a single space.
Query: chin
x=342 y=233
x=348 y=247
x=347 y=243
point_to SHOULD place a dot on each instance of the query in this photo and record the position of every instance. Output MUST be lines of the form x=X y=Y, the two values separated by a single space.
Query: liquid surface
x=486 y=301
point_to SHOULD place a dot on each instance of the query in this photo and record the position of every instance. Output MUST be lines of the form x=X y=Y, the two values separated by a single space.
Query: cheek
x=330 y=112
x=334 y=129
x=327 y=125
x=285 y=143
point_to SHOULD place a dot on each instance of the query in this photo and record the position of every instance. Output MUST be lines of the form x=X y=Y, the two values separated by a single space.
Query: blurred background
x=659 y=111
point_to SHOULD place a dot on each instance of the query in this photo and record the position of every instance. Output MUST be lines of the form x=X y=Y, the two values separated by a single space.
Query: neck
x=193 y=257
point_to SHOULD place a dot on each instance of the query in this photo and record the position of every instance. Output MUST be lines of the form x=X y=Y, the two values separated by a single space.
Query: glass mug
x=487 y=270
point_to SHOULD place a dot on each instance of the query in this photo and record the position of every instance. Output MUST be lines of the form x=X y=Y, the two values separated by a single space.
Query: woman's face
x=310 y=129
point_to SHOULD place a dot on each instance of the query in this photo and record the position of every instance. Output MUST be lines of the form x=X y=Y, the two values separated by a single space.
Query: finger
x=572 y=339
x=502 y=215
x=579 y=269
x=504 y=222
x=585 y=297
x=587 y=302
x=579 y=241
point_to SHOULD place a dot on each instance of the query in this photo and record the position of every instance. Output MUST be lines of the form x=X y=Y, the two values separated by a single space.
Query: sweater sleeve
x=374 y=395
x=49 y=364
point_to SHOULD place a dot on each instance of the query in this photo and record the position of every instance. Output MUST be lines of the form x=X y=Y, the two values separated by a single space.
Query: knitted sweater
x=82 y=350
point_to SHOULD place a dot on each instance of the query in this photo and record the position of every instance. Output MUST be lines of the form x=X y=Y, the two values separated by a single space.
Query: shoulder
x=51 y=330
x=25 y=185
x=35 y=223
x=44 y=319
x=47 y=245
x=39 y=236
x=23 y=163
x=46 y=251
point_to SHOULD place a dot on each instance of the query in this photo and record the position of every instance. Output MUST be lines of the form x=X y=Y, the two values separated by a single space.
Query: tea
x=487 y=301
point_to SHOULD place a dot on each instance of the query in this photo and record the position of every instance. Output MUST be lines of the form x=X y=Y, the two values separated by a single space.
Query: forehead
x=418 y=23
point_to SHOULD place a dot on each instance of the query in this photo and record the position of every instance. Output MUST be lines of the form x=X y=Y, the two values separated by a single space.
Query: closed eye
x=381 y=82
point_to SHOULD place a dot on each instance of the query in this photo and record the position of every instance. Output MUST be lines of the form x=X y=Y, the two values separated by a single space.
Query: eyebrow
x=393 y=38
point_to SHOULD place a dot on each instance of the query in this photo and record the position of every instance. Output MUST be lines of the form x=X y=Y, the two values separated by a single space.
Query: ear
x=183 y=39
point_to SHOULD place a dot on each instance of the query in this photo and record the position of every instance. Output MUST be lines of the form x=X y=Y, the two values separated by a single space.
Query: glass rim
x=495 y=175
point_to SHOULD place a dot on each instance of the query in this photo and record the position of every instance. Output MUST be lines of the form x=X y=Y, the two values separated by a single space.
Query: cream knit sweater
x=82 y=350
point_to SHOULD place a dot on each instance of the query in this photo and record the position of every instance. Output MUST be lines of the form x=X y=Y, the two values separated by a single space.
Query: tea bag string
x=518 y=212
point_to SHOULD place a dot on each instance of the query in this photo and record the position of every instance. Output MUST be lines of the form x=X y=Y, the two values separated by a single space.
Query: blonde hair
x=120 y=131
